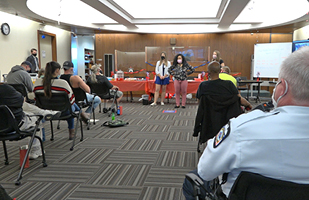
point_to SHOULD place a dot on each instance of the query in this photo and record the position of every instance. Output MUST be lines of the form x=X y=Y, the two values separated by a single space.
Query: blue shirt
x=274 y=144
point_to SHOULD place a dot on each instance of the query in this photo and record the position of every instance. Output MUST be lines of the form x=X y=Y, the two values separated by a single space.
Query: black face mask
x=34 y=54
x=162 y=57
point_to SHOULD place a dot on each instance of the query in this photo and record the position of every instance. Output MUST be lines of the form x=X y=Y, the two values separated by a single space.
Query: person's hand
x=161 y=77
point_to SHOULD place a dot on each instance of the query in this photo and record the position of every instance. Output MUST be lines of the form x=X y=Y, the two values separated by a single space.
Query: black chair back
x=251 y=186
x=59 y=101
x=80 y=95
x=7 y=121
x=101 y=90
x=20 y=88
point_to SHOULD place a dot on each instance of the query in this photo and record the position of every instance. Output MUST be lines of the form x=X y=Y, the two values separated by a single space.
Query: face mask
x=179 y=61
x=214 y=56
x=162 y=57
x=58 y=77
x=34 y=54
x=275 y=103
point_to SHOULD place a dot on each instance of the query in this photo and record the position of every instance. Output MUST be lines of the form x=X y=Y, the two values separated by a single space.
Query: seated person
x=50 y=84
x=225 y=75
x=97 y=77
x=218 y=86
x=19 y=75
x=266 y=143
x=77 y=82
x=14 y=100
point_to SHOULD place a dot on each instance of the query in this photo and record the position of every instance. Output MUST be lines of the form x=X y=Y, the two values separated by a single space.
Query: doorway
x=47 y=48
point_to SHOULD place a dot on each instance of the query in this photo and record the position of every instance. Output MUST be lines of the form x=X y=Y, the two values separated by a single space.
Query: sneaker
x=33 y=155
x=153 y=104
x=162 y=104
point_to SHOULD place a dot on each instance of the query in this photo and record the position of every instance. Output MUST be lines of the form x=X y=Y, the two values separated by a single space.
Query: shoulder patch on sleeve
x=223 y=133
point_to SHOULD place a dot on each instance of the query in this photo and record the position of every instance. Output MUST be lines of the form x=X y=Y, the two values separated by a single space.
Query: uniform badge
x=223 y=133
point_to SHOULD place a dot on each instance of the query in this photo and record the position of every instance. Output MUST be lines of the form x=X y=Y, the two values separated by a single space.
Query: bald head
x=214 y=70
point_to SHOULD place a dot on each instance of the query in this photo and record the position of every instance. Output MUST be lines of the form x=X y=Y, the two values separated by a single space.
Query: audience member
x=52 y=84
x=41 y=73
x=19 y=75
x=14 y=100
x=77 y=82
x=162 y=78
x=217 y=86
x=34 y=61
x=269 y=150
x=225 y=75
x=216 y=56
x=97 y=77
x=180 y=71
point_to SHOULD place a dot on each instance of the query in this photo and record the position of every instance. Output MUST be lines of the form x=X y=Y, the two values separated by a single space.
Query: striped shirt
x=57 y=86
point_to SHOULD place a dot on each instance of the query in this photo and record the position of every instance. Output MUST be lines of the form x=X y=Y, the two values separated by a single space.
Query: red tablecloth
x=126 y=86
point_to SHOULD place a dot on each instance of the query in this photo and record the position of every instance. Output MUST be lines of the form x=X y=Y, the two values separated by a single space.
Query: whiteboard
x=268 y=58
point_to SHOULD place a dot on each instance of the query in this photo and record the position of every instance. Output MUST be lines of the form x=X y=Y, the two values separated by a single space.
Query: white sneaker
x=162 y=104
x=33 y=156
x=153 y=104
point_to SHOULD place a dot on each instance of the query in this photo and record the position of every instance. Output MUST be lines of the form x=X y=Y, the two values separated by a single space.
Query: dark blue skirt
x=162 y=81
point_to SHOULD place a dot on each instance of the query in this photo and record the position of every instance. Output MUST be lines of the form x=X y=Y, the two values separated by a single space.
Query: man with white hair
x=267 y=143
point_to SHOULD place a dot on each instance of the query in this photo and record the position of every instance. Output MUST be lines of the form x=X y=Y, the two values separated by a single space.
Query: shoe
x=33 y=156
x=85 y=117
x=153 y=104
x=177 y=106
x=183 y=106
x=50 y=114
x=162 y=104
x=71 y=134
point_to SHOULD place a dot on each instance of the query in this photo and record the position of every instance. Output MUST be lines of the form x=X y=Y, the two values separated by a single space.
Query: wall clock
x=5 y=28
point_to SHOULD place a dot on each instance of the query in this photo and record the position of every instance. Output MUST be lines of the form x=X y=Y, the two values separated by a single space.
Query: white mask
x=275 y=103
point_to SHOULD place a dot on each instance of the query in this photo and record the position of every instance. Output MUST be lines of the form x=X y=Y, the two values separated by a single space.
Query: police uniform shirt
x=274 y=144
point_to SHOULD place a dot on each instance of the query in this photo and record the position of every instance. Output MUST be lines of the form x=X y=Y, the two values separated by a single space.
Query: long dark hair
x=183 y=60
x=48 y=77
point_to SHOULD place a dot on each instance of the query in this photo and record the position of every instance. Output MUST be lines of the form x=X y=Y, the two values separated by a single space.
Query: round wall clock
x=5 y=28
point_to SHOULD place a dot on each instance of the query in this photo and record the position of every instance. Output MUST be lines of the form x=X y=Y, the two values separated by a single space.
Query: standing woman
x=162 y=78
x=180 y=70
x=216 y=56
x=51 y=83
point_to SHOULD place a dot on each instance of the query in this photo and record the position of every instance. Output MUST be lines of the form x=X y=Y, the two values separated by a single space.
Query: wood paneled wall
x=236 y=48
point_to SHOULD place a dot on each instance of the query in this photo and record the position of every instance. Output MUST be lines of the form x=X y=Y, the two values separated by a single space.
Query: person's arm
x=244 y=102
x=158 y=69
x=191 y=69
x=81 y=83
x=28 y=83
x=170 y=70
x=219 y=157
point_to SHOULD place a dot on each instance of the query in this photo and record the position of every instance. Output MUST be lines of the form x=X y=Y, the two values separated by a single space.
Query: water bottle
x=113 y=117
x=118 y=111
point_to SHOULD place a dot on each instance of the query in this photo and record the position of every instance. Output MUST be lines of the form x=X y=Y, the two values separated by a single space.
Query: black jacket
x=213 y=113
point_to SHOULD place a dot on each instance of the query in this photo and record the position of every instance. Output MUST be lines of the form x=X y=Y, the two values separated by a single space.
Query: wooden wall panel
x=236 y=48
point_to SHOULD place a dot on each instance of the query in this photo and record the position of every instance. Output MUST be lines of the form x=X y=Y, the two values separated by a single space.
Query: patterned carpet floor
x=147 y=159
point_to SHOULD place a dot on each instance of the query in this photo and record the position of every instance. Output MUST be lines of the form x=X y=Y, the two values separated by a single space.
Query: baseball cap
x=67 y=65
x=27 y=63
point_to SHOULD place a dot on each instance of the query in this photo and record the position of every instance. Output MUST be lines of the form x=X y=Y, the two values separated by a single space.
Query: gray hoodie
x=18 y=75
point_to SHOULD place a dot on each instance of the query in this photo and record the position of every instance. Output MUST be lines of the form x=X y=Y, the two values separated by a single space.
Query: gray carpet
x=147 y=159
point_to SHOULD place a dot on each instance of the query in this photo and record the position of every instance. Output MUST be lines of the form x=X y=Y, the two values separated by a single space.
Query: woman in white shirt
x=162 y=78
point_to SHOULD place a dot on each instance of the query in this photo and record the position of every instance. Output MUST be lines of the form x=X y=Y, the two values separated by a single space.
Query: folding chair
x=60 y=102
x=103 y=92
x=9 y=131
x=252 y=186
x=82 y=101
